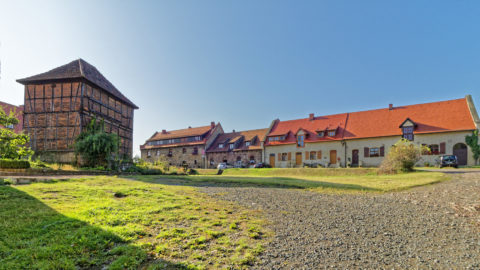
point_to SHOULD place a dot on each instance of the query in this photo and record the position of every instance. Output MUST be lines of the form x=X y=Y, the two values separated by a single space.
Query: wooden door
x=460 y=150
x=355 y=157
x=298 y=158
x=272 y=160
x=333 y=156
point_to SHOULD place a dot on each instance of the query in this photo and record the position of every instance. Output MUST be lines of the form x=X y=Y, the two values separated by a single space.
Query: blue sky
x=245 y=63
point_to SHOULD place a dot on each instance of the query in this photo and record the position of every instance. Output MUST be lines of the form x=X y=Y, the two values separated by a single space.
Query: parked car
x=261 y=165
x=448 y=161
x=223 y=166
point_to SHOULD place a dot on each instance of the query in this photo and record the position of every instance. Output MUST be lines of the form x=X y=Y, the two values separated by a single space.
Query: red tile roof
x=310 y=127
x=242 y=137
x=450 y=115
x=7 y=108
x=181 y=134
x=443 y=116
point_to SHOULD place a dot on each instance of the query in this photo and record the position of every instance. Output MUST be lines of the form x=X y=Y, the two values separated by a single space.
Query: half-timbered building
x=61 y=102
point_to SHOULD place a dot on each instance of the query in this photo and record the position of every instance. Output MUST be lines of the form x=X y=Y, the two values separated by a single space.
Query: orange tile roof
x=443 y=116
x=246 y=135
x=310 y=127
x=450 y=115
x=180 y=133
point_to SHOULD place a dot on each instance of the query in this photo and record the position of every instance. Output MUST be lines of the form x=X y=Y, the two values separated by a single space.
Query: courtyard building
x=17 y=111
x=61 y=102
x=240 y=149
x=364 y=138
x=182 y=147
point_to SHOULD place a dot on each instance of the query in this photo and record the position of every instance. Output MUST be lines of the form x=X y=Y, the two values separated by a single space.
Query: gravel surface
x=432 y=227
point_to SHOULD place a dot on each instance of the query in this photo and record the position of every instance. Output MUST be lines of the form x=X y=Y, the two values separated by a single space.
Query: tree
x=96 y=146
x=472 y=141
x=402 y=157
x=12 y=145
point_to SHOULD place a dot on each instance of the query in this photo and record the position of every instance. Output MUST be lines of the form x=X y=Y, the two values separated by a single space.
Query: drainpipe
x=345 y=152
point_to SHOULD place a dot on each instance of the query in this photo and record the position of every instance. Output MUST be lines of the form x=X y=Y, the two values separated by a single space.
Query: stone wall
x=180 y=155
x=231 y=157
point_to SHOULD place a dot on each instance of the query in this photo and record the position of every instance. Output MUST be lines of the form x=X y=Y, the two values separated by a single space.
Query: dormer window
x=231 y=146
x=301 y=140
x=321 y=133
x=331 y=133
x=276 y=138
x=247 y=143
x=408 y=126
x=220 y=145
x=198 y=138
x=407 y=133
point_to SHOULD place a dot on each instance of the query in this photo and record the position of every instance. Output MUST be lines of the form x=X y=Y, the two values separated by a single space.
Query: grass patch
x=352 y=180
x=117 y=223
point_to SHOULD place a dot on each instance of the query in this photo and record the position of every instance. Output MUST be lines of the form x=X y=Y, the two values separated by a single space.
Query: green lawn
x=116 y=223
x=157 y=222
x=318 y=179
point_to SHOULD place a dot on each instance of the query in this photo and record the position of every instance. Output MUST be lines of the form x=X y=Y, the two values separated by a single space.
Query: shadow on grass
x=245 y=181
x=35 y=236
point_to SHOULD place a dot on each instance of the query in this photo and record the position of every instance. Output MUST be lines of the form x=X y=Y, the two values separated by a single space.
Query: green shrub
x=402 y=157
x=192 y=172
x=14 y=164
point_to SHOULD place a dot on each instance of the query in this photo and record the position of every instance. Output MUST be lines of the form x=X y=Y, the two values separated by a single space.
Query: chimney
x=164 y=131
x=189 y=126
x=390 y=106
x=311 y=116
x=233 y=131
x=212 y=124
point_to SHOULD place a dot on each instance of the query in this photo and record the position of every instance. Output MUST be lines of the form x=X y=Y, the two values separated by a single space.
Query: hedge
x=14 y=164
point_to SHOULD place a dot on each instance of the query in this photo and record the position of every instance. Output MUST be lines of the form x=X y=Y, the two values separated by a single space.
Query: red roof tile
x=443 y=116
x=180 y=133
x=310 y=127
x=450 y=115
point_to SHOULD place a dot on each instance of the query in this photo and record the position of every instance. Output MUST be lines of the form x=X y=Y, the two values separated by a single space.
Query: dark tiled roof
x=79 y=69
x=243 y=136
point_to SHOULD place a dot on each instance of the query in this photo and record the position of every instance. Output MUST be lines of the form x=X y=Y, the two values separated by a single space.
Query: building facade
x=61 y=102
x=183 y=147
x=364 y=138
x=240 y=149
x=17 y=111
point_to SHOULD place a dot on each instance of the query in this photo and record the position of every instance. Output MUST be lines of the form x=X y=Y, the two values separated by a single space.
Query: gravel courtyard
x=431 y=227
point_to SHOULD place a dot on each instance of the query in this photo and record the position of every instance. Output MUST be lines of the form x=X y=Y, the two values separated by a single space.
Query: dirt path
x=432 y=227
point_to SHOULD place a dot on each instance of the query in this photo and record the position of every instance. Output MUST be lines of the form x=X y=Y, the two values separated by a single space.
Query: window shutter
x=307 y=156
x=366 y=152
x=442 y=148
x=289 y=155
x=382 y=151
x=279 y=156
x=319 y=154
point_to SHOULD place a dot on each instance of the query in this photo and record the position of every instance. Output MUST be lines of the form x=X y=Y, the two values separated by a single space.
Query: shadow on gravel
x=258 y=182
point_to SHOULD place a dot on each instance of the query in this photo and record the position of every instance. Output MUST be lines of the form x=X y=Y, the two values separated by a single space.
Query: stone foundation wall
x=180 y=155
x=231 y=157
